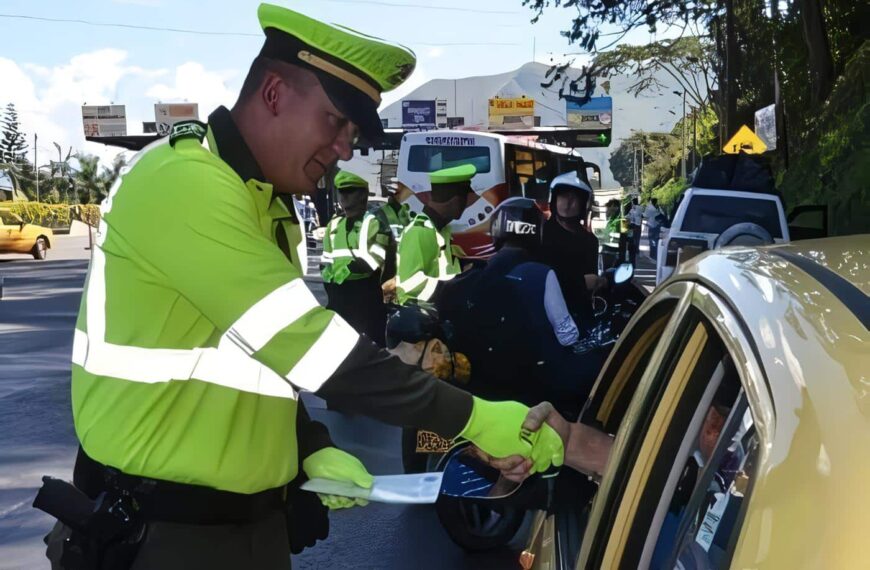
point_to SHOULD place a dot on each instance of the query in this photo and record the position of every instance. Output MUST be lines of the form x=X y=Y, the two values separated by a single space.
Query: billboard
x=167 y=114
x=418 y=115
x=765 y=126
x=104 y=120
x=595 y=115
x=512 y=112
x=441 y=113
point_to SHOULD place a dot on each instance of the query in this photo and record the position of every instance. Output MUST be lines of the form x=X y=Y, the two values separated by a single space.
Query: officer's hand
x=497 y=429
x=333 y=463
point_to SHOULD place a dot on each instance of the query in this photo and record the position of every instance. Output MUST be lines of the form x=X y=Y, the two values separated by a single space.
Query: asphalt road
x=37 y=316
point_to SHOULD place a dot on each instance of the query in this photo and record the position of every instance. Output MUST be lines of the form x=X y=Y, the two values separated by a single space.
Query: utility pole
x=36 y=164
x=683 y=167
x=694 y=139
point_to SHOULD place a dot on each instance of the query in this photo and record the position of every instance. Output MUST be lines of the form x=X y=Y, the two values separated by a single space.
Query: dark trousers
x=172 y=546
x=361 y=304
x=635 y=240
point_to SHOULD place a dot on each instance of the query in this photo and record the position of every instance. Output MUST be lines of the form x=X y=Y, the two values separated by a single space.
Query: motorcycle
x=418 y=337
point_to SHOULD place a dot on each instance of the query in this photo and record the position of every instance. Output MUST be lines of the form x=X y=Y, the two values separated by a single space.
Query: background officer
x=354 y=248
x=426 y=256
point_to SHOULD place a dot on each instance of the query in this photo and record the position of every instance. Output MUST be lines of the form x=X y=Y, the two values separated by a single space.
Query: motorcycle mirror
x=623 y=273
x=467 y=476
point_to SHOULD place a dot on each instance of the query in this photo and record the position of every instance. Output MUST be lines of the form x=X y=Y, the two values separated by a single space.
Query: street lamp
x=683 y=139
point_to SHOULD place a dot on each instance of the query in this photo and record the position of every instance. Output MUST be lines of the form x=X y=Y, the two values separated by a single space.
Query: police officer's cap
x=345 y=181
x=353 y=68
x=451 y=181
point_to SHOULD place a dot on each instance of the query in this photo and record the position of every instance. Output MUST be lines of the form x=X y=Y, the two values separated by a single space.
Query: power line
x=212 y=33
x=425 y=6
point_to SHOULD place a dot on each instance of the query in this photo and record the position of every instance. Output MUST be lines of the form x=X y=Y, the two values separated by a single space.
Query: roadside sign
x=596 y=114
x=512 y=112
x=765 y=125
x=104 y=120
x=167 y=114
x=744 y=141
x=419 y=115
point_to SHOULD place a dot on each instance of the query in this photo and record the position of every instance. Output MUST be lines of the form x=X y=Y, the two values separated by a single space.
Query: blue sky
x=50 y=68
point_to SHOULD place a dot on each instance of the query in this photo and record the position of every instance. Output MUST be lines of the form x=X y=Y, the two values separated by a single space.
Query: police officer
x=192 y=342
x=354 y=248
x=396 y=216
x=426 y=256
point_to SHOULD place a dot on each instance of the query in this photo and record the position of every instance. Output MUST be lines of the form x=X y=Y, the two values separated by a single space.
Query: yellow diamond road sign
x=744 y=141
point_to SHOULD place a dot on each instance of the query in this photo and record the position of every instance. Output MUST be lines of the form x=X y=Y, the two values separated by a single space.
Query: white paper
x=416 y=488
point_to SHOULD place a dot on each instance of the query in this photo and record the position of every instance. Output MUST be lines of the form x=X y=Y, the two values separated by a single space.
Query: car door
x=555 y=542
x=10 y=232
x=681 y=470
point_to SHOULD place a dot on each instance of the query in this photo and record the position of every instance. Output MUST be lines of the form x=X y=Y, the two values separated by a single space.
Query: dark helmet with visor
x=518 y=220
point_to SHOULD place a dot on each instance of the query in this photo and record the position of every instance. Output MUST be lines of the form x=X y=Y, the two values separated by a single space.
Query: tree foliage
x=13 y=145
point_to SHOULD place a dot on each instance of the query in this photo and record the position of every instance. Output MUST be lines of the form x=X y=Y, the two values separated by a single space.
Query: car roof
x=804 y=306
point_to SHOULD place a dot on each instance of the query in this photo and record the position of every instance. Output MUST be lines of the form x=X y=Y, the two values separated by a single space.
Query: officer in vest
x=192 y=343
x=426 y=257
x=354 y=248
x=396 y=216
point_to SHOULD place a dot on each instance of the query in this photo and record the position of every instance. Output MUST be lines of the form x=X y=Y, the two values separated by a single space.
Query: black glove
x=307 y=518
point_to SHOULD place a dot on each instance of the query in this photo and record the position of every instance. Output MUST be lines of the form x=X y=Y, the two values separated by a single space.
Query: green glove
x=333 y=463
x=497 y=429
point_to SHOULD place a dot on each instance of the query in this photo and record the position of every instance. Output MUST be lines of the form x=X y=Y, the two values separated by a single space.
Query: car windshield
x=423 y=158
x=715 y=214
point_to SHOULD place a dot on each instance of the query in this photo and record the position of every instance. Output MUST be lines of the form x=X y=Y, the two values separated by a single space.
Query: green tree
x=13 y=144
x=89 y=185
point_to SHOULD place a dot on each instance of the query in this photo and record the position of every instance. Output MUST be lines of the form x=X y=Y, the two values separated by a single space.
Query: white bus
x=506 y=166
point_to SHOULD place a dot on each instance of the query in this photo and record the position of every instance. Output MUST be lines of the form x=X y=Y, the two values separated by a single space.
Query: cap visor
x=355 y=105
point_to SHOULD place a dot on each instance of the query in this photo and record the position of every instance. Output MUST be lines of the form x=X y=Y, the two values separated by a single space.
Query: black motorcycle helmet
x=413 y=323
x=571 y=182
x=518 y=220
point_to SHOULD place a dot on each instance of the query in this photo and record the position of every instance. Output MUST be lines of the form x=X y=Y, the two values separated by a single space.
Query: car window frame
x=737 y=341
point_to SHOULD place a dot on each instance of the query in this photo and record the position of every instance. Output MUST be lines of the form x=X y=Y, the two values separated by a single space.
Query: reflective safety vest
x=342 y=246
x=425 y=258
x=288 y=231
x=396 y=220
x=195 y=332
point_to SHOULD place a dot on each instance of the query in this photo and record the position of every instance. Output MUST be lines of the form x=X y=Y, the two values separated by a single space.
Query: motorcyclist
x=569 y=246
x=511 y=320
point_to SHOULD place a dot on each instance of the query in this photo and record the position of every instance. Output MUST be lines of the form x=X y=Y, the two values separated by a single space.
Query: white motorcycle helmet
x=570 y=181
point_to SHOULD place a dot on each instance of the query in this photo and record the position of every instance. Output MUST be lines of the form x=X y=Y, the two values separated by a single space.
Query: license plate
x=430 y=442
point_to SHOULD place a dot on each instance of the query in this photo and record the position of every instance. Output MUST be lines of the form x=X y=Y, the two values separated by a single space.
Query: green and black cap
x=451 y=181
x=353 y=68
x=346 y=181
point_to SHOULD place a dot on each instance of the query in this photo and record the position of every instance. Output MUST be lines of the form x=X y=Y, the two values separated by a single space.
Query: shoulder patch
x=187 y=129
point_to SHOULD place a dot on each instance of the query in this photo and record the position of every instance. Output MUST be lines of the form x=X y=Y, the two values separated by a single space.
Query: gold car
x=740 y=399
x=17 y=236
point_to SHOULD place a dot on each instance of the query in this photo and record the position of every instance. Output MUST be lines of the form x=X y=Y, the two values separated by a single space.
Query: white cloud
x=49 y=98
x=196 y=84
x=435 y=52
x=148 y=3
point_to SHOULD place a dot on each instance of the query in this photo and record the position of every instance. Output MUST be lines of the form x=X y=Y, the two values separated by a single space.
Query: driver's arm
x=560 y=319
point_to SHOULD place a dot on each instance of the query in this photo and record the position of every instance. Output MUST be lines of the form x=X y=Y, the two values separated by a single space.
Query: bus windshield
x=431 y=158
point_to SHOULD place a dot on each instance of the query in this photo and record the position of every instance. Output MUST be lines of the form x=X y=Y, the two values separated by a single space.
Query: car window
x=649 y=445
x=696 y=494
x=8 y=219
x=422 y=158
x=615 y=388
x=715 y=214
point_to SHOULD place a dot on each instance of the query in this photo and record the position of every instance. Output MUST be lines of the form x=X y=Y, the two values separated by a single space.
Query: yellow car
x=739 y=396
x=17 y=236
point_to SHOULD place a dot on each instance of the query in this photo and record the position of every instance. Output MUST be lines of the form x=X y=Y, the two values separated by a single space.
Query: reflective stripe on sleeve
x=324 y=357
x=225 y=366
x=271 y=314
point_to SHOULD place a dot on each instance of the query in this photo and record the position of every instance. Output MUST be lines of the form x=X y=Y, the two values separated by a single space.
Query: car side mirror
x=623 y=273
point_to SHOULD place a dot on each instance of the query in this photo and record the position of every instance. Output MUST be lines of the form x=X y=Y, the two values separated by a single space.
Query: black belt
x=168 y=501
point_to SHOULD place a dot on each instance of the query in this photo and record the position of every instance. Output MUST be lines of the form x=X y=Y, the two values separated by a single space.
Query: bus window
x=422 y=158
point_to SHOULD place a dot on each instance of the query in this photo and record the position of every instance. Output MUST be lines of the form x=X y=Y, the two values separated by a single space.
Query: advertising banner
x=167 y=114
x=104 y=120
x=595 y=115
x=516 y=112
x=765 y=126
x=418 y=115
